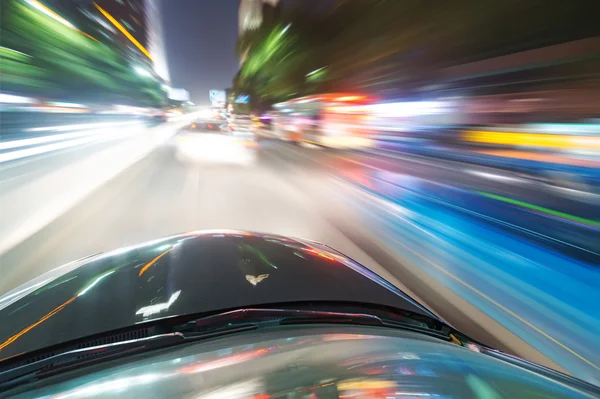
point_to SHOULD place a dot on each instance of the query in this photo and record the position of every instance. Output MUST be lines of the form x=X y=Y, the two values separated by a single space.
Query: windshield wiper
x=199 y=328
x=295 y=316
x=77 y=358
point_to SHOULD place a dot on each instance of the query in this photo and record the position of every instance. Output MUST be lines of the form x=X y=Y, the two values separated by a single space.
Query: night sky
x=200 y=37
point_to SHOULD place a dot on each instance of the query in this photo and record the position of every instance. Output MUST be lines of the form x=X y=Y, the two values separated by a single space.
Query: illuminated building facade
x=140 y=30
x=131 y=15
x=156 y=44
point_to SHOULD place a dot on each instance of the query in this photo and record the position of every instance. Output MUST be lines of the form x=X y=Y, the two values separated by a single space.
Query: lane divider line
x=542 y=209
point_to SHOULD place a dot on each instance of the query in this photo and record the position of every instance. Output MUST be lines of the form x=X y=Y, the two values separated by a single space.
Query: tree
x=378 y=45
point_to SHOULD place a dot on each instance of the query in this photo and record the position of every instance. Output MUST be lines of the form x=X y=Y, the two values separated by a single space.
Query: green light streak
x=259 y=255
x=548 y=211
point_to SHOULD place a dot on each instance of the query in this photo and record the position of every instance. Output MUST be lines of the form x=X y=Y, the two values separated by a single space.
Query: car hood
x=315 y=362
x=185 y=274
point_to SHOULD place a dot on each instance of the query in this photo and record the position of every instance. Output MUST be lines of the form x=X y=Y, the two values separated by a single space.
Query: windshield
x=432 y=165
x=294 y=362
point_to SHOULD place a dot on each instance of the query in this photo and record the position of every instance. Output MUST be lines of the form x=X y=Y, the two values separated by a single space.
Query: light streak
x=315 y=71
x=77 y=126
x=94 y=137
x=548 y=211
x=39 y=6
x=24 y=331
x=96 y=281
x=12 y=99
x=14 y=51
x=153 y=261
x=124 y=31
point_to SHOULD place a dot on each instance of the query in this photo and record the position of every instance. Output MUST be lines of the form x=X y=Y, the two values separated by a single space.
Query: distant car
x=214 y=142
x=233 y=314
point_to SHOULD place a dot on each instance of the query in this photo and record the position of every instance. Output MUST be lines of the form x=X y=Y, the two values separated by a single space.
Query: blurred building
x=156 y=44
x=140 y=30
x=132 y=15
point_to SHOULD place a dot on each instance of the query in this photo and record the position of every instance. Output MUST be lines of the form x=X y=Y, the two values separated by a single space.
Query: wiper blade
x=217 y=325
x=291 y=316
x=86 y=356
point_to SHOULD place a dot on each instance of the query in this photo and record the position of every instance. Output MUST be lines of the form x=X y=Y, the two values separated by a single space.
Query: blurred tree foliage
x=376 y=44
x=42 y=57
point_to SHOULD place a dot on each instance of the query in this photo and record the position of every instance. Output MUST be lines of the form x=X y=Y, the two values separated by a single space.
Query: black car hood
x=185 y=274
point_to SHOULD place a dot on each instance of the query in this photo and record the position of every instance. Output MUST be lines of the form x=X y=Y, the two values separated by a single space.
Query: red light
x=210 y=126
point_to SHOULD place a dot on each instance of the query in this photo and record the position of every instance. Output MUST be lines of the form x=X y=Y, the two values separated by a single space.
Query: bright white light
x=95 y=137
x=113 y=385
x=14 y=51
x=142 y=72
x=96 y=281
x=63 y=104
x=284 y=30
x=77 y=126
x=50 y=13
x=403 y=109
x=315 y=71
x=205 y=113
x=159 y=307
x=494 y=176
x=41 y=140
x=245 y=389
x=12 y=99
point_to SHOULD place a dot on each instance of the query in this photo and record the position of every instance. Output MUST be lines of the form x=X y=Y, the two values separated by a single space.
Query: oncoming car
x=215 y=142
x=235 y=314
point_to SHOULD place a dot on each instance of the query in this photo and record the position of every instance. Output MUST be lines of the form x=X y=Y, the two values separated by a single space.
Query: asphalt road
x=338 y=199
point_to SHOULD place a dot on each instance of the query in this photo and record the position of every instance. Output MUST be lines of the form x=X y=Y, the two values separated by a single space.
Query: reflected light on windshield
x=40 y=321
x=153 y=261
x=159 y=307
x=117 y=385
x=96 y=281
